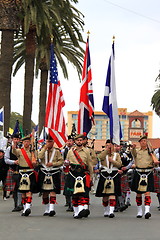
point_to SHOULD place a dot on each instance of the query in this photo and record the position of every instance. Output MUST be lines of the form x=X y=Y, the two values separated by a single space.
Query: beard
x=79 y=144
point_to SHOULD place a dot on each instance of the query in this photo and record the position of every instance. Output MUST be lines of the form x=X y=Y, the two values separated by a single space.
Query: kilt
x=156 y=175
x=136 y=179
x=75 y=172
x=117 y=184
x=62 y=180
x=10 y=182
x=54 y=174
x=32 y=177
x=124 y=183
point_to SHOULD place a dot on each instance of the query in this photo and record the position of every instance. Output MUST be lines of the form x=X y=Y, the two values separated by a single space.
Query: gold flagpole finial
x=52 y=38
x=113 y=38
x=88 y=33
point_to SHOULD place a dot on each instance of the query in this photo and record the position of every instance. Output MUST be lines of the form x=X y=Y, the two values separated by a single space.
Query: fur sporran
x=143 y=182
x=25 y=182
x=48 y=182
x=79 y=185
x=108 y=186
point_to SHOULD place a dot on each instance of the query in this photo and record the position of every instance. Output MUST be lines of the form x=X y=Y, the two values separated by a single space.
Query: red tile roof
x=136 y=113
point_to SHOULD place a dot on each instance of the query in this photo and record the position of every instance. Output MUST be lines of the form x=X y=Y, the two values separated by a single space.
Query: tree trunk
x=42 y=98
x=29 y=79
x=6 y=62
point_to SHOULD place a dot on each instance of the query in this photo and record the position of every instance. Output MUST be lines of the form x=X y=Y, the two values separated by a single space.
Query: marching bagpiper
x=49 y=179
x=109 y=185
x=143 y=181
x=78 y=181
x=27 y=176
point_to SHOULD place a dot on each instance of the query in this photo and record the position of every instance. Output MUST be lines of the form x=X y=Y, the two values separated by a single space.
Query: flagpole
x=113 y=40
x=3 y=121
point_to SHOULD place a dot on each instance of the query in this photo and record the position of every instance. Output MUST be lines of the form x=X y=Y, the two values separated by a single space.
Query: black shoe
x=87 y=212
x=123 y=208
x=17 y=209
x=111 y=215
x=147 y=215
x=27 y=212
x=70 y=209
x=52 y=213
x=22 y=214
x=82 y=213
x=139 y=216
x=46 y=214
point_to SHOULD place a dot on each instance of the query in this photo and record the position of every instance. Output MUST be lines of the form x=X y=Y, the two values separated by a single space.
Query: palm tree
x=8 y=25
x=64 y=52
x=155 y=101
x=36 y=20
x=41 y=33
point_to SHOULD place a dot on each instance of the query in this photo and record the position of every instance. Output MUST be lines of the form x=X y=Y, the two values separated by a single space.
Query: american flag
x=110 y=101
x=54 y=120
x=86 y=103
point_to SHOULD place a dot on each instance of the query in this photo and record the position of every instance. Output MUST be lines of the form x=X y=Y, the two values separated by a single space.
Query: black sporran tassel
x=108 y=185
x=79 y=185
x=143 y=183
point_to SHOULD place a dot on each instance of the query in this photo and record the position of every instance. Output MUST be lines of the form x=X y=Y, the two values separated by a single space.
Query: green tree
x=8 y=25
x=67 y=37
x=155 y=100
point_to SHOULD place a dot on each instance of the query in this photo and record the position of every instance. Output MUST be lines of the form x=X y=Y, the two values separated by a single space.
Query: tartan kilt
x=117 y=184
x=10 y=183
x=70 y=182
x=62 y=180
x=124 y=183
x=33 y=181
x=156 y=175
x=135 y=182
x=56 y=177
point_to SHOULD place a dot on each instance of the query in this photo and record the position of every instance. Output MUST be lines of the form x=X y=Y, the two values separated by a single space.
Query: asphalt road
x=63 y=226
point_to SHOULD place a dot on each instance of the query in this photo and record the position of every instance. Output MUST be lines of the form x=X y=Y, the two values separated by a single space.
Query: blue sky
x=136 y=26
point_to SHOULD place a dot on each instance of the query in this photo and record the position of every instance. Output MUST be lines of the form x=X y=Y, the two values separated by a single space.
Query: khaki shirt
x=102 y=156
x=21 y=159
x=93 y=156
x=142 y=159
x=84 y=154
x=57 y=159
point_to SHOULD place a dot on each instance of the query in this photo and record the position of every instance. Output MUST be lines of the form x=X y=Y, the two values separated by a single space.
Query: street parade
x=79 y=119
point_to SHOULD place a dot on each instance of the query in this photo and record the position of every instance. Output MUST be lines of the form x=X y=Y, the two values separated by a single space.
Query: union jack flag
x=54 y=119
x=86 y=103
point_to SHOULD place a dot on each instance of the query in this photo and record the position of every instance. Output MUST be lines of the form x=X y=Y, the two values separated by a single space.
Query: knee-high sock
x=147 y=202
x=139 y=201
x=112 y=204
x=75 y=206
x=46 y=204
x=28 y=202
x=52 y=203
